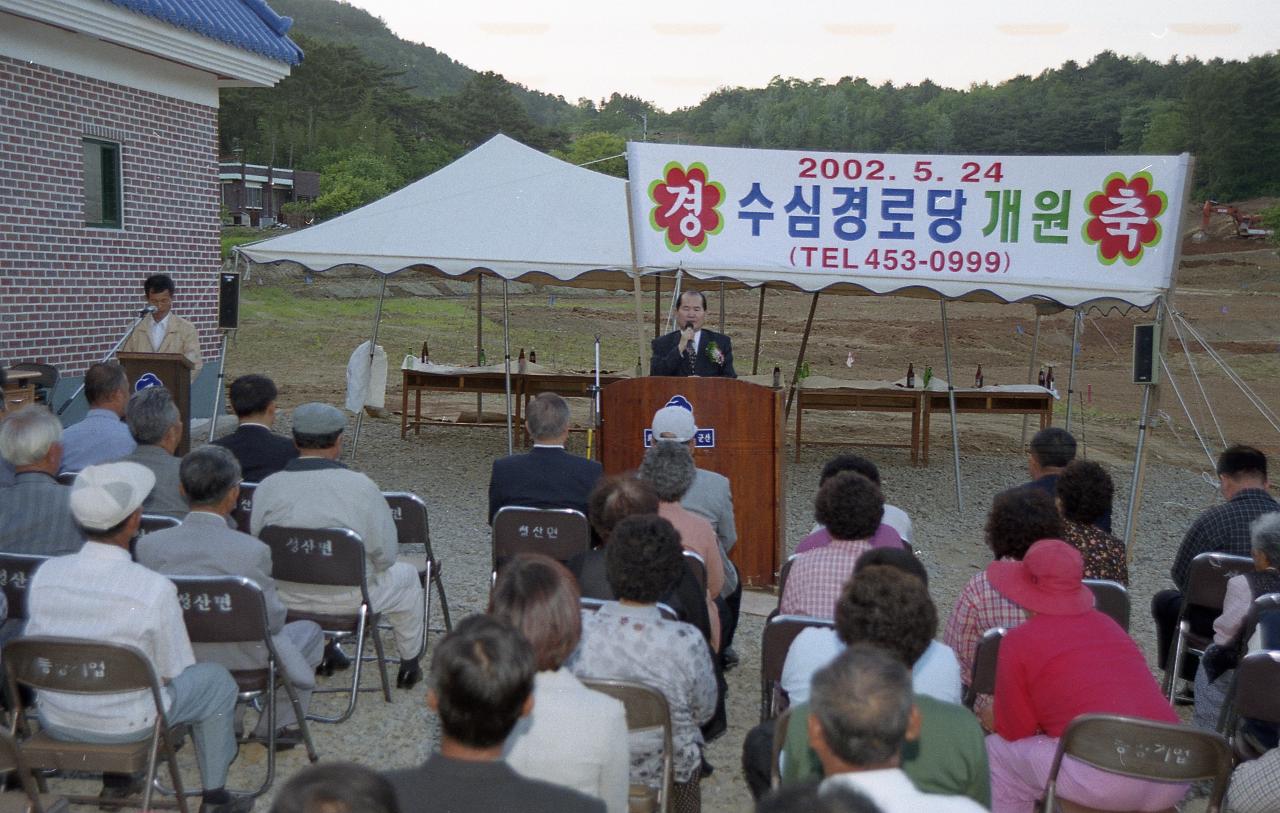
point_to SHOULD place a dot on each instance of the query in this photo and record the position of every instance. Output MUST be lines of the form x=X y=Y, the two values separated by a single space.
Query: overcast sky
x=675 y=53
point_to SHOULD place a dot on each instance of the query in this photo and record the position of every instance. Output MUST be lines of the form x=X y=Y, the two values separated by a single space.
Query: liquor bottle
x=1040 y=379
x=482 y=361
x=1048 y=379
x=777 y=378
x=533 y=356
x=911 y=375
x=928 y=375
x=521 y=363
x=426 y=353
x=977 y=378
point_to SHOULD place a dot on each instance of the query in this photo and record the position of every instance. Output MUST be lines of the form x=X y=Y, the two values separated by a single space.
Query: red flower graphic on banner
x=1123 y=216
x=686 y=204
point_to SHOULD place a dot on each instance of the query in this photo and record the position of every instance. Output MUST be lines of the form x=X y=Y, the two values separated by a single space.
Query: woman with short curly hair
x=1084 y=497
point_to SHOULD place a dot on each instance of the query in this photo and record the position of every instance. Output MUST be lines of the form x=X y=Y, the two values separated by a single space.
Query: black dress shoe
x=119 y=787
x=728 y=659
x=334 y=660
x=409 y=675
x=238 y=803
x=288 y=738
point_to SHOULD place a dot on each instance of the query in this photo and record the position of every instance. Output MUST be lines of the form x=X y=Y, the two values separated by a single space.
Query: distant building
x=109 y=120
x=252 y=194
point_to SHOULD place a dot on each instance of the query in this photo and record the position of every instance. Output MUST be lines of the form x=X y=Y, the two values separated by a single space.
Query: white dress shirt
x=100 y=594
x=935 y=673
x=892 y=791
x=157 y=330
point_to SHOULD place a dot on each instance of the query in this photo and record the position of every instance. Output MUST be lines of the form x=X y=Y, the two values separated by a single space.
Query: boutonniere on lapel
x=713 y=353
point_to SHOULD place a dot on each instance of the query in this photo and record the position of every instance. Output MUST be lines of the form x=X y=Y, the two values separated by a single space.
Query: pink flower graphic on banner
x=1123 y=216
x=686 y=204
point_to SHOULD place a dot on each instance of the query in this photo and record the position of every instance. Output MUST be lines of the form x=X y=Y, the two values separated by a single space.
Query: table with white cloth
x=821 y=393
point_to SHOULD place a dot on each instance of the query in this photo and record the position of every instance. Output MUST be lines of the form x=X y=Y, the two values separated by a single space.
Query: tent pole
x=722 y=330
x=657 y=305
x=1137 y=472
x=506 y=356
x=636 y=288
x=951 y=402
x=755 y=356
x=1031 y=371
x=1071 y=371
x=373 y=347
x=479 y=338
x=804 y=343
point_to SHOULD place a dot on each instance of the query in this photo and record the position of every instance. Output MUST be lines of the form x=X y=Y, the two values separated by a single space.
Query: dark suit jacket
x=458 y=786
x=543 y=478
x=260 y=451
x=668 y=361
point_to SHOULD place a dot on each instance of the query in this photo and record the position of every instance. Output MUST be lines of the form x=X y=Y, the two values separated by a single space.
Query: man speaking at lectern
x=691 y=350
x=164 y=331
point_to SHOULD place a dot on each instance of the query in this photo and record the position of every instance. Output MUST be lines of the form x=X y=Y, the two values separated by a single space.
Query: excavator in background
x=1248 y=227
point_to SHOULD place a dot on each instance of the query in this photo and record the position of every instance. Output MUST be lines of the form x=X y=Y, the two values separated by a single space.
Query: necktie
x=690 y=356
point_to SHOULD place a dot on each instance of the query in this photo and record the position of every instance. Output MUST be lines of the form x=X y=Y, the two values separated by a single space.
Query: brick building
x=108 y=161
x=252 y=194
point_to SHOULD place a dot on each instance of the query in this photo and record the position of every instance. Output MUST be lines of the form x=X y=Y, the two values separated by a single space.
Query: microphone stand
x=107 y=357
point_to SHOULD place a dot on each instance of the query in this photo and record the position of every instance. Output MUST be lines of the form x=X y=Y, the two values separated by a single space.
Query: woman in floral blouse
x=1084 y=497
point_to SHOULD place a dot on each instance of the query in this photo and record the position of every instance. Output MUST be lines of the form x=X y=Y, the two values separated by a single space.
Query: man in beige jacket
x=164 y=331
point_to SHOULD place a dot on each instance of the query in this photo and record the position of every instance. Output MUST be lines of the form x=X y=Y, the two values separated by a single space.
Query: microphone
x=688 y=325
x=147 y=309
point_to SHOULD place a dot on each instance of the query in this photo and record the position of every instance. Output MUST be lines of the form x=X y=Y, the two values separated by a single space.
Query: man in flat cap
x=316 y=491
x=100 y=594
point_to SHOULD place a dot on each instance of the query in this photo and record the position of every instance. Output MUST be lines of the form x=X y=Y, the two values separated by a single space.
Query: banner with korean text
x=1074 y=229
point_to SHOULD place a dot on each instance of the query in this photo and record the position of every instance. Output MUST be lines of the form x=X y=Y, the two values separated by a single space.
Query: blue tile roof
x=247 y=24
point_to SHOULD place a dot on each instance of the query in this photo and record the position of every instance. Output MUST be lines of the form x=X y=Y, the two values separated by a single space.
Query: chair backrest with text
x=244 y=507
x=779 y=633
x=16 y=570
x=1146 y=750
x=332 y=557
x=561 y=533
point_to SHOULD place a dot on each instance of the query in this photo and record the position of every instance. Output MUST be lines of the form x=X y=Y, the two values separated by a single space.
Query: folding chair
x=67 y=478
x=78 y=666
x=231 y=610
x=330 y=557
x=16 y=570
x=412 y=530
x=779 y=741
x=1206 y=588
x=34 y=801
x=1266 y=603
x=1145 y=750
x=244 y=507
x=1253 y=697
x=156 y=522
x=646 y=708
x=983 y=679
x=779 y=632
x=1111 y=598
x=698 y=567
x=561 y=533
x=592 y=605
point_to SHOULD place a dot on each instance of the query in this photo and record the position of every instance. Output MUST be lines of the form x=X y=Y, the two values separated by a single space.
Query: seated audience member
x=935 y=672
x=316 y=491
x=628 y=639
x=1224 y=528
x=35 y=512
x=1065 y=660
x=1084 y=492
x=6 y=468
x=889 y=609
x=99 y=594
x=1213 y=676
x=336 y=787
x=1049 y=452
x=851 y=507
x=156 y=425
x=205 y=545
x=1018 y=517
x=1255 y=785
x=895 y=527
x=261 y=452
x=669 y=468
x=101 y=436
x=710 y=497
x=546 y=476
x=811 y=799
x=574 y=737
x=863 y=713
x=615 y=498
x=482 y=678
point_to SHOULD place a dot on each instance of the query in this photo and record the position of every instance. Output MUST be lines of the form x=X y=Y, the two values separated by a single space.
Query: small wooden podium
x=740 y=429
x=173 y=371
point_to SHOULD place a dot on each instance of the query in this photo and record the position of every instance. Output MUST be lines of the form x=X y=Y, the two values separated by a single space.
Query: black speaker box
x=228 y=301
x=1146 y=354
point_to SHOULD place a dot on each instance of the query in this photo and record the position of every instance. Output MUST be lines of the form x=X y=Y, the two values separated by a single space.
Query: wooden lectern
x=173 y=370
x=740 y=428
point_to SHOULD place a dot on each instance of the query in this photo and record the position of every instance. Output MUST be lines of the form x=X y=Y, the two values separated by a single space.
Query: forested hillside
x=372 y=112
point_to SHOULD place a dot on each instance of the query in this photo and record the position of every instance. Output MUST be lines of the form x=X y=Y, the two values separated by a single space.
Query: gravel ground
x=449 y=468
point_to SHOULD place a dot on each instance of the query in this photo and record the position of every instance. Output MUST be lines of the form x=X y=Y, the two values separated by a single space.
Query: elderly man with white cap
x=99 y=593
x=316 y=491
x=709 y=497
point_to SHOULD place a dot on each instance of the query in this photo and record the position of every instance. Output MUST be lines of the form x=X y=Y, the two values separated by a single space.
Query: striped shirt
x=817 y=578
x=35 y=517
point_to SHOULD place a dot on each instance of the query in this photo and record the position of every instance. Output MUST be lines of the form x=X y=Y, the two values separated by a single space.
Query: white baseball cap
x=104 y=496
x=674 y=423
